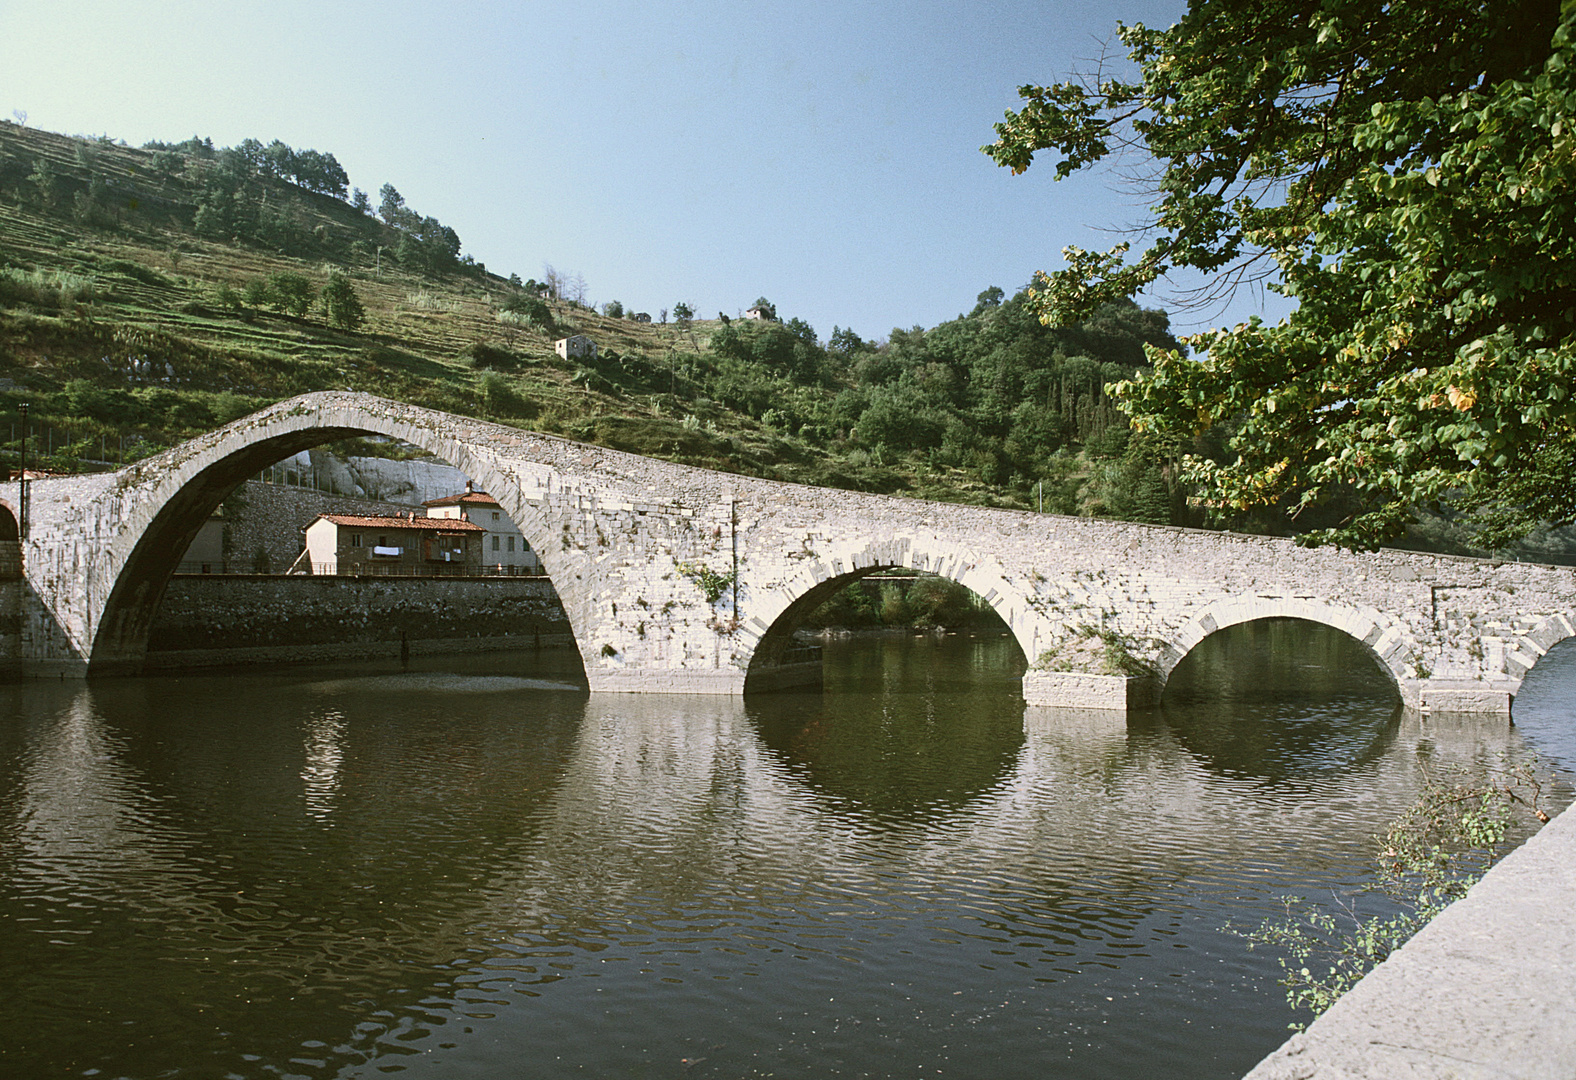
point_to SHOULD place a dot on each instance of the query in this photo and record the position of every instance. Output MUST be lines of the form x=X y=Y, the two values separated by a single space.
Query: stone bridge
x=631 y=544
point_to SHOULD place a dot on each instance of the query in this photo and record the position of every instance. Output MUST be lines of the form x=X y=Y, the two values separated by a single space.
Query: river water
x=478 y=870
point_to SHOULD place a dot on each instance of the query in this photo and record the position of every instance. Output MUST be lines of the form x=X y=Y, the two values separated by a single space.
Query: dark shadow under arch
x=1303 y=649
x=10 y=544
x=777 y=662
x=1275 y=698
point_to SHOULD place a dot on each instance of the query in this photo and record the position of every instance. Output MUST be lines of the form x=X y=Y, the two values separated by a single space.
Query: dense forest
x=148 y=294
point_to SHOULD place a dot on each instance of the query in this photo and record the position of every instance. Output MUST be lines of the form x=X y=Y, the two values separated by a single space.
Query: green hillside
x=149 y=294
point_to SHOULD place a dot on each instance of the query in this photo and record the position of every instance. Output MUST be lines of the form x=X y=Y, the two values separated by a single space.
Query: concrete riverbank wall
x=1486 y=991
x=235 y=618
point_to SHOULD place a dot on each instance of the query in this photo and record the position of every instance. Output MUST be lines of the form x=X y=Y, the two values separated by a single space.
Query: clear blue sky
x=823 y=155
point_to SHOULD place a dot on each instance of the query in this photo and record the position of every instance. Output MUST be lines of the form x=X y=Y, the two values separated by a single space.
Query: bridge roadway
x=622 y=537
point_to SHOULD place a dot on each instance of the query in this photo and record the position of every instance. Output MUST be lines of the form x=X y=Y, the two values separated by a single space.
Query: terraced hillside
x=127 y=329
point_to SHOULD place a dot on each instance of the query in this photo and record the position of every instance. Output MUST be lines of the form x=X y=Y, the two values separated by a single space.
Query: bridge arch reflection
x=1300 y=698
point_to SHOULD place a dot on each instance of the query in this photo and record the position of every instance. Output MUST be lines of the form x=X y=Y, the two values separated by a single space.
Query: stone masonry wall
x=271 y=517
x=221 y=619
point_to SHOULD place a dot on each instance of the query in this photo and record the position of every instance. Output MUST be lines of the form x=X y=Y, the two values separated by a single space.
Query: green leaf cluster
x=711 y=583
x=1402 y=170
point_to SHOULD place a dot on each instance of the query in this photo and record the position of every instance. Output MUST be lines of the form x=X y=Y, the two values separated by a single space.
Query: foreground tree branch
x=1407 y=167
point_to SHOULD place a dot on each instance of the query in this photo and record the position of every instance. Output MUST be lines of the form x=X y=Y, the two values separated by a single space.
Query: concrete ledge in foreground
x=1487 y=991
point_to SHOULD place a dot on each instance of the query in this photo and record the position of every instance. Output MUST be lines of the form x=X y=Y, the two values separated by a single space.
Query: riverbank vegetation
x=1441 y=846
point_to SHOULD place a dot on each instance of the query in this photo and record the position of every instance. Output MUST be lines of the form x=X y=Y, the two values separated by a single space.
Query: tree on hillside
x=1403 y=169
x=292 y=292
x=390 y=204
x=341 y=303
x=532 y=308
x=988 y=299
x=682 y=315
x=45 y=181
x=321 y=172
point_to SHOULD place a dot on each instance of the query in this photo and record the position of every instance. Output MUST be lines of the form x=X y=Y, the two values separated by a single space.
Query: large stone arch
x=778 y=613
x=175 y=492
x=1383 y=637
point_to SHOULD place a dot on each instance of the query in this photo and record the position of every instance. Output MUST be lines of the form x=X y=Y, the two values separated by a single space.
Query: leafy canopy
x=1402 y=170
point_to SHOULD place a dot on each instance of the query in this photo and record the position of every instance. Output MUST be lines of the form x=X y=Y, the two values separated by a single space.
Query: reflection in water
x=324 y=753
x=885 y=741
x=896 y=875
x=1303 y=699
x=1543 y=709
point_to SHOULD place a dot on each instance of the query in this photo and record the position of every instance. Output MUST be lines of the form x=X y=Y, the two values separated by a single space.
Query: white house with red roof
x=403 y=546
x=504 y=549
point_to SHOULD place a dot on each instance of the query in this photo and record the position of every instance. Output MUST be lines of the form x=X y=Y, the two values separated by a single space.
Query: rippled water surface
x=485 y=872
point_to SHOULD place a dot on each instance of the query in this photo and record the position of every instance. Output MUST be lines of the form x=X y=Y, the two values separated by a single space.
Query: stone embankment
x=229 y=619
x=1486 y=991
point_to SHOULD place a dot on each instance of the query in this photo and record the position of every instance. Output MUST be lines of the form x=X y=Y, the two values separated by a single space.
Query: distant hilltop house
x=349 y=544
x=503 y=546
x=641 y=316
x=762 y=314
x=575 y=346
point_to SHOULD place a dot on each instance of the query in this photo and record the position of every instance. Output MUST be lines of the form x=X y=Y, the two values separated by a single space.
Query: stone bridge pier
x=677 y=579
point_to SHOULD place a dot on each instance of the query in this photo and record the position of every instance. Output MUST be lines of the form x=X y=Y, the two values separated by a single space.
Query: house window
x=511 y=543
x=355 y=539
x=495 y=543
x=495 y=515
x=383 y=541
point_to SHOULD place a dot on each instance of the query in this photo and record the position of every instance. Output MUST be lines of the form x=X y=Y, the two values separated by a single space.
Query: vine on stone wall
x=711 y=583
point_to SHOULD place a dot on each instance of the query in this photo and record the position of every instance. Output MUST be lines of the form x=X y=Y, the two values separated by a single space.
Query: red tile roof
x=425 y=524
x=465 y=498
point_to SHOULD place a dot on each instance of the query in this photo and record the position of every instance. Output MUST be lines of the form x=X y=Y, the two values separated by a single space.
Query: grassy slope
x=154 y=282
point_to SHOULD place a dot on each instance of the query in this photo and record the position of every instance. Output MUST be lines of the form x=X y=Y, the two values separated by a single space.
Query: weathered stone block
x=1077 y=690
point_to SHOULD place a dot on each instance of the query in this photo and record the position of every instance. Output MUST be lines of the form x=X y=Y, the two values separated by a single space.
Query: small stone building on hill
x=575 y=346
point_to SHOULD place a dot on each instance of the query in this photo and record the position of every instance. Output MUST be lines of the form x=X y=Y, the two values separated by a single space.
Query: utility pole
x=21 y=479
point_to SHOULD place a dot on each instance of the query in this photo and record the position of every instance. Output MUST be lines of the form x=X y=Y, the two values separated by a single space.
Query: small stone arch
x=10 y=531
x=1525 y=650
x=1383 y=637
x=783 y=608
x=181 y=488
